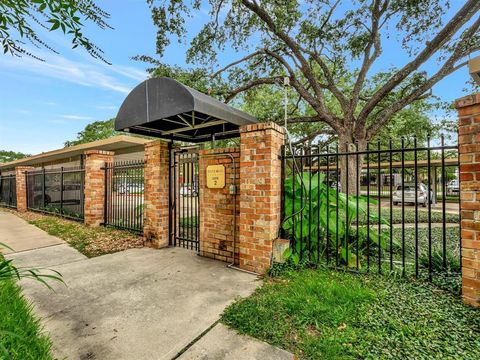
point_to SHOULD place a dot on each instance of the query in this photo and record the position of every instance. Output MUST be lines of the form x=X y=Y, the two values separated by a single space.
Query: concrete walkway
x=21 y=236
x=138 y=304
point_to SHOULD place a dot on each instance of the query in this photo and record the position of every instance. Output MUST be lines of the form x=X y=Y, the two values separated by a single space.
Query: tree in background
x=330 y=51
x=7 y=156
x=21 y=22
x=97 y=130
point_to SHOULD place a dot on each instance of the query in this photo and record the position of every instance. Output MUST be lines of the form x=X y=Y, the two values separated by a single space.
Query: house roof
x=165 y=108
x=116 y=143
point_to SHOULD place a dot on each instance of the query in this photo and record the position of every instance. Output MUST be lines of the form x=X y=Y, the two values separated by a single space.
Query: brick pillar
x=21 y=187
x=94 y=190
x=217 y=206
x=156 y=212
x=469 y=147
x=260 y=194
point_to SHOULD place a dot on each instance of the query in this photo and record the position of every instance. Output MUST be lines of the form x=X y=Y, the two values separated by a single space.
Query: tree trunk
x=350 y=166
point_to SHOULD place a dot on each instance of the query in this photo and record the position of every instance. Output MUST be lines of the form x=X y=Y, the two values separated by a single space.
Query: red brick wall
x=155 y=226
x=260 y=194
x=21 y=187
x=216 y=206
x=94 y=204
x=469 y=145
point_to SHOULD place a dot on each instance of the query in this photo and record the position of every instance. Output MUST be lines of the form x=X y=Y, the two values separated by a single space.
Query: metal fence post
x=61 y=189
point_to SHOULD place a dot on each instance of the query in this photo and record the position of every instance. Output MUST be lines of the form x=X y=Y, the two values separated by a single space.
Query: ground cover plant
x=324 y=314
x=21 y=334
x=89 y=241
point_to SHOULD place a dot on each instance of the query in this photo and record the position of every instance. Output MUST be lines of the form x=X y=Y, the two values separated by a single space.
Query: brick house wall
x=260 y=194
x=21 y=186
x=156 y=212
x=216 y=206
x=469 y=155
x=94 y=191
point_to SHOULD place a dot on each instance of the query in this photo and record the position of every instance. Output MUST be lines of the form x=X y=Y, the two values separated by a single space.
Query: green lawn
x=20 y=332
x=436 y=216
x=322 y=314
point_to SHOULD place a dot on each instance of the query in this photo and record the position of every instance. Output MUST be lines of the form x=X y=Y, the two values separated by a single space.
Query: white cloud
x=76 y=117
x=86 y=73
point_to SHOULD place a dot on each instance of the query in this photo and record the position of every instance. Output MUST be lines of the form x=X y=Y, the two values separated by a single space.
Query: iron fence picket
x=8 y=191
x=374 y=223
x=56 y=191
x=124 y=195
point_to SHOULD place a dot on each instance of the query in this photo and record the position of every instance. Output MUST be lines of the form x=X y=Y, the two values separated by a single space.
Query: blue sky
x=44 y=104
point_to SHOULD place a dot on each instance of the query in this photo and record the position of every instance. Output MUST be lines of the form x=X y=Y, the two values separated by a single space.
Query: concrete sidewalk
x=136 y=304
x=21 y=236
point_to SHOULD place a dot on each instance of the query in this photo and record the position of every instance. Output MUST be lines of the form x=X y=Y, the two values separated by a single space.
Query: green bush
x=315 y=211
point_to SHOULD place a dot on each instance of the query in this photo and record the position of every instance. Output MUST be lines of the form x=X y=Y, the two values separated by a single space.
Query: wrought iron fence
x=334 y=210
x=124 y=195
x=58 y=191
x=8 y=191
x=184 y=199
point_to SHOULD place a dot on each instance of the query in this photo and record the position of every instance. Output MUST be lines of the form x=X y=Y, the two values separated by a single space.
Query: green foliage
x=8 y=271
x=97 y=130
x=321 y=314
x=61 y=212
x=7 y=156
x=21 y=20
x=314 y=210
x=20 y=336
x=331 y=51
x=20 y=332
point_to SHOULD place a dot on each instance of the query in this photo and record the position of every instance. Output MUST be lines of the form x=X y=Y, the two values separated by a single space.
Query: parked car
x=188 y=190
x=453 y=187
x=130 y=189
x=335 y=186
x=409 y=194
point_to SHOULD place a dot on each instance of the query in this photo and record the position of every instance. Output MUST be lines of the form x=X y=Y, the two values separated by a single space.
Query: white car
x=188 y=190
x=453 y=187
x=130 y=189
x=409 y=194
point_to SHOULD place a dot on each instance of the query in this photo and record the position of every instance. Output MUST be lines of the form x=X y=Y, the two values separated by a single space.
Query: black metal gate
x=8 y=193
x=184 y=199
x=124 y=195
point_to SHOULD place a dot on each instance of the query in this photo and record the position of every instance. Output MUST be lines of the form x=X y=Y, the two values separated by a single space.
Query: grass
x=321 y=314
x=20 y=332
x=90 y=241
x=436 y=216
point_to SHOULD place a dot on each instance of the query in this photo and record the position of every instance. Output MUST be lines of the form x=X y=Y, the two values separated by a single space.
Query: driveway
x=137 y=304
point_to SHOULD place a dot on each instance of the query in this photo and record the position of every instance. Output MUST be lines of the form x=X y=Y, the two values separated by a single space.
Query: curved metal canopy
x=165 y=108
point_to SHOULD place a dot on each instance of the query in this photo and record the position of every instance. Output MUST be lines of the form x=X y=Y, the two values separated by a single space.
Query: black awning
x=165 y=108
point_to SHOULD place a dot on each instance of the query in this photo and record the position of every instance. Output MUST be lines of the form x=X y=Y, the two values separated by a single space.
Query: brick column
x=260 y=194
x=94 y=190
x=469 y=146
x=156 y=214
x=217 y=206
x=21 y=187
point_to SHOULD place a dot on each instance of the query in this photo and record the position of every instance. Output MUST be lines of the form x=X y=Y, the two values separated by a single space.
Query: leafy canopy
x=22 y=21
x=332 y=51
x=7 y=156
x=97 y=130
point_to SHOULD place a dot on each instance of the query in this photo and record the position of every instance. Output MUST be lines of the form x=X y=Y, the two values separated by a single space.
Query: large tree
x=331 y=51
x=7 y=156
x=23 y=21
x=98 y=130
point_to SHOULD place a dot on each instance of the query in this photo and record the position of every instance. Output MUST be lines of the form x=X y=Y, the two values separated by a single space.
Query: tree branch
x=470 y=8
x=447 y=68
